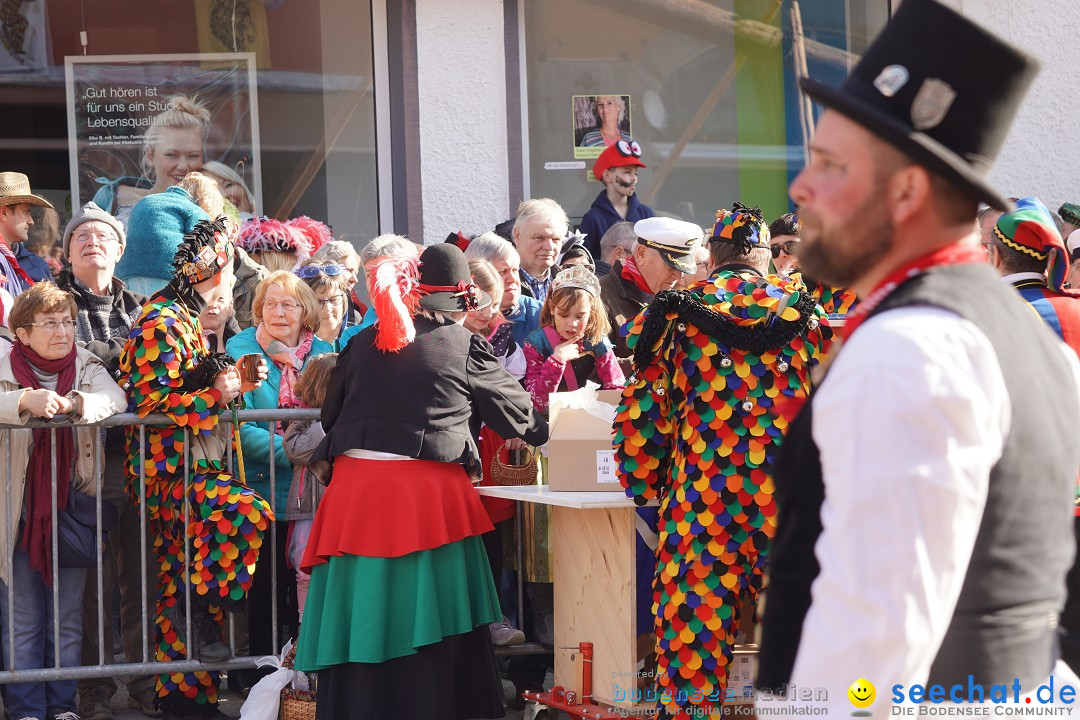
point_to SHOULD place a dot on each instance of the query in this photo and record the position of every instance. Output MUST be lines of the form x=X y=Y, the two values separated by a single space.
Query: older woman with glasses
x=286 y=316
x=329 y=282
x=41 y=375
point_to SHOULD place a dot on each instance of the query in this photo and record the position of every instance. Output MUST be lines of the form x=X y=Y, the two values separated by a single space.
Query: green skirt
x=370 y=610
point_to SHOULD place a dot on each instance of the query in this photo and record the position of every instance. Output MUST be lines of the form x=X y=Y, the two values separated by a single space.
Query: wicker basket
x=296 y=704
x=504 y=474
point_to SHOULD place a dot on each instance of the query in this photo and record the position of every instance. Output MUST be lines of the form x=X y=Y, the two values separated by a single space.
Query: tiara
x=577 y=276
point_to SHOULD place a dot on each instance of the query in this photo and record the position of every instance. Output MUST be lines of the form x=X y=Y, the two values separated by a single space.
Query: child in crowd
x=571 y=345
x=301 y=439
x=569 y=348
x=617 y=168
x=490 y=323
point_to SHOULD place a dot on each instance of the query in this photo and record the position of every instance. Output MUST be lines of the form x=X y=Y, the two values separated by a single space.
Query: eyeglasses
x=629 y=148
x=288 y=307
x=336 y=300
x=788 y=248
x=102 y=236
x=331 y=270
x=52 y=325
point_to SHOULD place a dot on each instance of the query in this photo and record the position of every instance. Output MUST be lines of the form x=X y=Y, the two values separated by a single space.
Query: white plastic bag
x=265 y=697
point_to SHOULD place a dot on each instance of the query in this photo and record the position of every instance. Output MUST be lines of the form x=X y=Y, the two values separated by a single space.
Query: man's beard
x=840 y=256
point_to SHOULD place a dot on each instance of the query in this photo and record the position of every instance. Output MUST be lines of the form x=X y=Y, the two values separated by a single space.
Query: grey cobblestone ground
x=229 y=704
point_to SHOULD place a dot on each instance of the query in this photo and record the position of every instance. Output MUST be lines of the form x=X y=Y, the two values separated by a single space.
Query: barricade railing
x=146 y=665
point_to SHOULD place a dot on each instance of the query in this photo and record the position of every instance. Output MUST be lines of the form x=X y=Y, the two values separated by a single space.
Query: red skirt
x=390 y=508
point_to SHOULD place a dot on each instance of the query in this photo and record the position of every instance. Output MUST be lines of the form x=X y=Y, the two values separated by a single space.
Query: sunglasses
x=788 y=248
x=309 y=271
x=629 y=149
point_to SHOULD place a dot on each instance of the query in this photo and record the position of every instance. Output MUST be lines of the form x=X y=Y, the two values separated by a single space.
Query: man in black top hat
x=925 y=490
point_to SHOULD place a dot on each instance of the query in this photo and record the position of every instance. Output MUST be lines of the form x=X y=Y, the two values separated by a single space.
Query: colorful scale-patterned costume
x=835 y=302
x=717 y=371
x=168 y=368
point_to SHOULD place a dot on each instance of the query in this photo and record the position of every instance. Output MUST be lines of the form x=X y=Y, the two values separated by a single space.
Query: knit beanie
x=89 y=213
x=156 y=228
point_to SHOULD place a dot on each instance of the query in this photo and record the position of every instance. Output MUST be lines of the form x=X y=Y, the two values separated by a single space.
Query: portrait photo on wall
x=599 y=121
x=138 y=123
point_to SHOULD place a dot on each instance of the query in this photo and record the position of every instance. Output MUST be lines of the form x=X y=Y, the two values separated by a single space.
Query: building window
x=314 y=82
x=708 y=89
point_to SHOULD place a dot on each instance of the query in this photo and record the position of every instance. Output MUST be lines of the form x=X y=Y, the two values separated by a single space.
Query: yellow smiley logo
x=861 y=693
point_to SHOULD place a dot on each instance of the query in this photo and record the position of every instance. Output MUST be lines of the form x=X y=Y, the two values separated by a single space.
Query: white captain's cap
x=675 y=240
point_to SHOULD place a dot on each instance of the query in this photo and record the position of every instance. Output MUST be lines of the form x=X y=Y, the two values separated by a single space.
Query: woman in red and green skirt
x=401 y=592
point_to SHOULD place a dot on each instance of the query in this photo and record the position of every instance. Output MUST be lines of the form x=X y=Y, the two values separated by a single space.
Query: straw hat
x=15 y=190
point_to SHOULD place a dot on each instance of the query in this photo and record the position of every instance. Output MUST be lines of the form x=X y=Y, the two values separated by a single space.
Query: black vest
x=1004 y=624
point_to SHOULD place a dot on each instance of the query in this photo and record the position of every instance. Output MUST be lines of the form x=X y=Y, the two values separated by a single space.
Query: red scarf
x=630 y=272
x=37 y=533
x=955 y=254
x=5 y=249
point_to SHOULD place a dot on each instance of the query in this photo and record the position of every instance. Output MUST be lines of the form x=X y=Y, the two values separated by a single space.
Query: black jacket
x=623 y=301
x=426 y=401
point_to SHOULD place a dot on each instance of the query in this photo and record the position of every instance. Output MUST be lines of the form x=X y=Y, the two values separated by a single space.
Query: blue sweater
x=602 y=215
x=525 y=318
x=255 y=437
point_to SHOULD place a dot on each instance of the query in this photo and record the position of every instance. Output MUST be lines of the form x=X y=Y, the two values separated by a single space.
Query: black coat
x=623 y=301
x=426 y=401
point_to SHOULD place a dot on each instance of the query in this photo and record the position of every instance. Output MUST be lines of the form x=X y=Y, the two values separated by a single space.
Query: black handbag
x=76 y=530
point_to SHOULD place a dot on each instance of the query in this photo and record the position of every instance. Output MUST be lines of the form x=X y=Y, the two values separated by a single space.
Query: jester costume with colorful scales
x=168 y=368
x=718 y=373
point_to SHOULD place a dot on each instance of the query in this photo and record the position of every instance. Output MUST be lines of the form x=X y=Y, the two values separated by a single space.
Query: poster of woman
x=138 y=123
x=599 y=121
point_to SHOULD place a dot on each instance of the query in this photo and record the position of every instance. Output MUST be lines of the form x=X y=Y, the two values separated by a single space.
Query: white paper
x=605 y=467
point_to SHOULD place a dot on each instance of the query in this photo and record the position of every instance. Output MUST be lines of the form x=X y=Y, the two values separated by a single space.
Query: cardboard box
x=740 y=679
x=579 y=451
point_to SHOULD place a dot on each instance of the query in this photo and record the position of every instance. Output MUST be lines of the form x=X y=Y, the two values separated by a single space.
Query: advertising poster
x=599 y=121
x=138 y=123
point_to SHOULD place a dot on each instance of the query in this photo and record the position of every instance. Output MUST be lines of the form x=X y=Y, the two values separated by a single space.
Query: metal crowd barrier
x=146 y=666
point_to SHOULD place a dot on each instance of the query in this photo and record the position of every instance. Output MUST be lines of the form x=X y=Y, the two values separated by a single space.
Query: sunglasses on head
x=788 y=248
x=629 y=149
x=309 y=271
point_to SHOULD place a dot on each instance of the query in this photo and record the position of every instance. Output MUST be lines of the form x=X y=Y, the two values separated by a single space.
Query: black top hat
x=446 y=283
x=941 y=89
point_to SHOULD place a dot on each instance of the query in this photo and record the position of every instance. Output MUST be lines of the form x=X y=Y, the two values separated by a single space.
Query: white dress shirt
x=909 y=421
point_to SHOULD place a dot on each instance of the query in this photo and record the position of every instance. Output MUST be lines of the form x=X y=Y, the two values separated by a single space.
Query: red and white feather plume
x=394 y=294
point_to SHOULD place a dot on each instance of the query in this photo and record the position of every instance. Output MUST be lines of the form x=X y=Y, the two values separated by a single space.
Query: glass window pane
x=315 y=95
x=709 y=90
